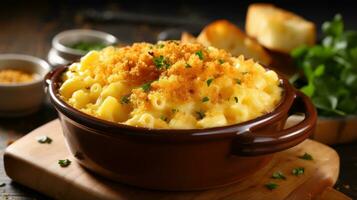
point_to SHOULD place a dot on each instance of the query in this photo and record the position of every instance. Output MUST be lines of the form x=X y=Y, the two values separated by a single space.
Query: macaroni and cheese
x=170 y=85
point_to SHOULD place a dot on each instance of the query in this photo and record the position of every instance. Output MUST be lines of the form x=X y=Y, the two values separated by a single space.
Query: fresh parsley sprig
x=330 y=70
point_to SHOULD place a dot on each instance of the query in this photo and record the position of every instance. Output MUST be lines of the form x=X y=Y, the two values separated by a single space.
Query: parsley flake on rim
x=64 y=163
x=278 y=175
x=188 y=65
x=205 y=99
x=306 y=156
x=221 y=61
x=44 y=139
x=298 y=171
x=209 y=81
x=271 y=186
x=199 y=54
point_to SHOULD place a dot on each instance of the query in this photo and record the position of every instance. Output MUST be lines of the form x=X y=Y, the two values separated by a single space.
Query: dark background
x=28 y=27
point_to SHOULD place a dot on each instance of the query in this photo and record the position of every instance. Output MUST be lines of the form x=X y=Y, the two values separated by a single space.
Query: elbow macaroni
x=170 y=85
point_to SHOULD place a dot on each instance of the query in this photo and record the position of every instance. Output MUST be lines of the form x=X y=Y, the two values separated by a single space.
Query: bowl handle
x=50 y=74
x=252 y=143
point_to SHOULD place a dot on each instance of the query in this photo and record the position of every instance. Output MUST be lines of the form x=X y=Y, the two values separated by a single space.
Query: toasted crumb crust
x=176 y=74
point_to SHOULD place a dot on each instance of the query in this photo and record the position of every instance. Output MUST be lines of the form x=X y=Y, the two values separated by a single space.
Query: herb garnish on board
x=330 y=70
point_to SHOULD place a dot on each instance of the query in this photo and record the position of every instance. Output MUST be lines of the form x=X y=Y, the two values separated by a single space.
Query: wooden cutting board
x=35 y=165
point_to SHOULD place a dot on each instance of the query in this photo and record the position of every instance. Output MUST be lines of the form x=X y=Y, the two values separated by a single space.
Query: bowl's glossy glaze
x=172 y=159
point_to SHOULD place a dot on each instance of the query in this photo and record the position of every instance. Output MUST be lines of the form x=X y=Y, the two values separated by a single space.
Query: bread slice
x=225 y=35
x=278 y=29
x=188 y=38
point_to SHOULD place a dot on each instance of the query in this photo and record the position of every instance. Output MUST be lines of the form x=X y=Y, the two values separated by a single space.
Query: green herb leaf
x=125 y=99
x=221 y=61
x=205 y=99
x=200 y=54
x=85 y=46
x=146 y=87
x=238 y=81
x=44 y=139
x=174 y=110
x=161 y=62
x=329 y=69
x=334 y=27
x=298 y=171
x=209 y=81
x=163 y=118
x=278 y=175
x=306 y=156
x=188 y=65
x=200 y=114
x=236 y=99
x=271 y=186
x=64 y=163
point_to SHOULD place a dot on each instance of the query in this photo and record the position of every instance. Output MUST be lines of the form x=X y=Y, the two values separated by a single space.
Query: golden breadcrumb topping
x=160 y=85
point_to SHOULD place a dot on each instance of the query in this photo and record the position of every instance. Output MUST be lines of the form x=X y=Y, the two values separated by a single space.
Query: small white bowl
x=19 y=99
x=62 y=54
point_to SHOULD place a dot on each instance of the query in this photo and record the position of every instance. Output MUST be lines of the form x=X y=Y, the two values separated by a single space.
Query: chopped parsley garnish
x=199 y=54
x=2 y=184
x=164 y=118
x=238 y=81
x=44 y=139
x=236 y=99
x=298 y=171
x=221 y=61
x=209 y=81
x=306 y=156
x=125 y=99
x=174 y=110
x=200 y=114
x=161 y=46
x=188 y=65
x=205 y=99
x=271 y=186
x=161 y=62
x=244 y=73
x=278 y=175
x=146 y=87
x=64 y=163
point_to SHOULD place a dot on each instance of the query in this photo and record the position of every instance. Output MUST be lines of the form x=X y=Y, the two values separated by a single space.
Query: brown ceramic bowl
x=174 y=159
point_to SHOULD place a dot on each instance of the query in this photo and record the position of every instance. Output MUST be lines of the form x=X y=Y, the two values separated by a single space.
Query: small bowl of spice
x=69 y=46
x=21 y=84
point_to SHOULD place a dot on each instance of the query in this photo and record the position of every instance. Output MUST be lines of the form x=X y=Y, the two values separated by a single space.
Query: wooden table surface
x=29 y=28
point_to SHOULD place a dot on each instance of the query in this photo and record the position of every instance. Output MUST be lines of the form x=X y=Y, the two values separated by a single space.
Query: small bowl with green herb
x=329 y=77
x=68 y=46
